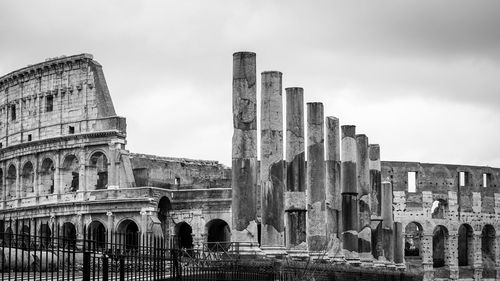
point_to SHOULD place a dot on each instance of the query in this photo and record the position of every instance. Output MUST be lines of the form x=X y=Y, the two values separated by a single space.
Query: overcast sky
x=421 y=78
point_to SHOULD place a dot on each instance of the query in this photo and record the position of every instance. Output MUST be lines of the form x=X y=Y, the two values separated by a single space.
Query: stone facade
x=63 y=161
x=449 y=216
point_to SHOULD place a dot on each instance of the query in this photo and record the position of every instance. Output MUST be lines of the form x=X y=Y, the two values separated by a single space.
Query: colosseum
x=63 y=161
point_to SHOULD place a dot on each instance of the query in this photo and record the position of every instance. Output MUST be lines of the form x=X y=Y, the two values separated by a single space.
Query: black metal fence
x=36 y=250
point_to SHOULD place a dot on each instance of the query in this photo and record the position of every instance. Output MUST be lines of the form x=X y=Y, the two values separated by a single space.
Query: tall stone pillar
x=244 y=150
x=36 y=180
x=295 y=195
x=387 y=221
x=375 y=180
x=399 y=250
x=272 y=169
x=497 y=255
x=453 y=255
x=364 y=192
x=427 y=259
x=478 y=257
x=110 y=226
x=349 y=189
x=333 y=197
x=315 y=171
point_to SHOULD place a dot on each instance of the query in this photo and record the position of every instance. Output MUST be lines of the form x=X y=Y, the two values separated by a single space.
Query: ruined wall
x=449 y=216
x=179 y=173
x=62 y=96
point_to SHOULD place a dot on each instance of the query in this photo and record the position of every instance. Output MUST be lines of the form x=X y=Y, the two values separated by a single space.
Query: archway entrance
x=45 y=235
x=98 y=170
x=70 y=173
x=164 y=207
x=69 y=235
x=465 y=245
x=218 y=235
x=129 y=234
x=184 y=234
x=46 y=175
x=97 y=235
x=439 y=246
x=27 y=179
x=488 y=251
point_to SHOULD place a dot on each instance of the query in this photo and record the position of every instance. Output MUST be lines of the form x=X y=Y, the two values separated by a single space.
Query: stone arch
x=128 y=233
x=46 y=176
x=27 y=179
x=8 y=236
x=218 y=235
x=184 y=233
x=45 y=235
x=97 y=234
x=488 y=249
x=465 y=245
x=439 y=209
x=440 y=246
x=413 y=236
x=164 y=207
x=70 y=173
x=98 y=170
x=69 y=235
x=24 y=236
x=10 y=181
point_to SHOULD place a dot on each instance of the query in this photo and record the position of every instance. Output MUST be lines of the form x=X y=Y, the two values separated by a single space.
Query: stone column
x=478 y=257
x=453 y=255
x=427 y=259
x=272 y=170
x=36 y=180
x=295 y=195
x=244 y=150
x=387 y=221
x=333 y=197
x=18 y=179
x=399 y=250
x=315 y=182
x=4 y=185
x=497 y=253
x=363 y=172
x=110 y=227
x=349 y=189
x=375 y=180
x=82 y=171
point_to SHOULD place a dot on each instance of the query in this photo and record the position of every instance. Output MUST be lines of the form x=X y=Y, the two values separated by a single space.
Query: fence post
x=122 y=268
x=86 y=266
x=105 y=267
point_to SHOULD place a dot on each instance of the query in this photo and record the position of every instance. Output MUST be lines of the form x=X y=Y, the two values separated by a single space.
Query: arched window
x=10 y=180
x=488 y=250
x=439 y=209
x=27 y=179
x=413 y=234
x=46 y=176
x=98 y=170
x=70 y=173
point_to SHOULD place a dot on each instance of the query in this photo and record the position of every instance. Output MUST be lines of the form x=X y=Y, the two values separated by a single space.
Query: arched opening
x=24 y=237
x=465 y=245
x=218 y=235
x=46 y=175
x=488 y=250
x=129 y=233
x=439 y=246
x=27 y=179
x=98 y=170
x=69 y=235
x=70 y=173
x=9 y=234
x=184 y=234
x=413 y=234
x=10 y=181
x=164 y=207
x=45 y=235
x=97 y=235
x=438 y=209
